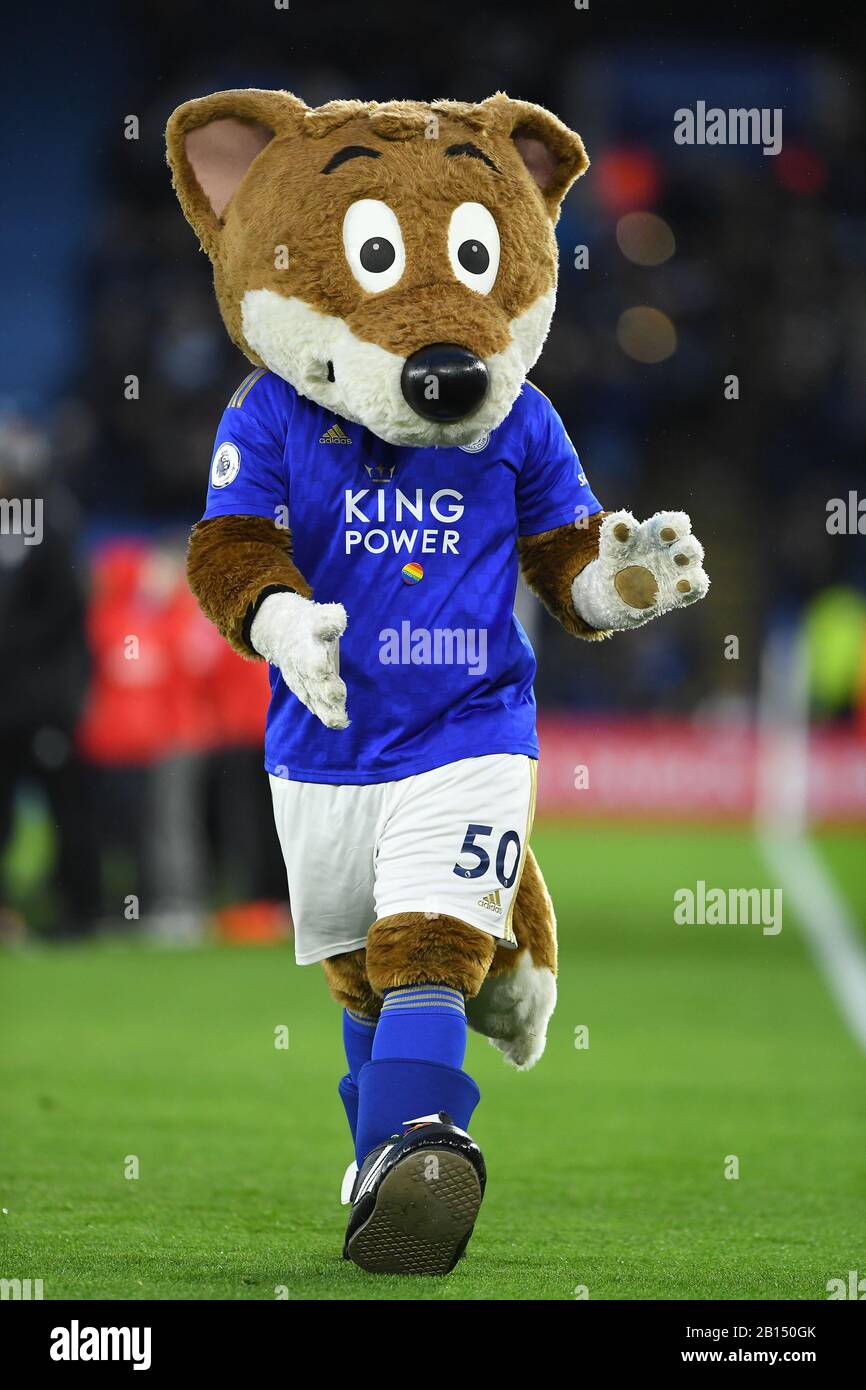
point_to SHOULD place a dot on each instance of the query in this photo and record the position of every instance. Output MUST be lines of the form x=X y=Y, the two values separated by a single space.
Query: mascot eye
x=377 y=255
x=473 y=257
x=373 y=244
x=473 y=246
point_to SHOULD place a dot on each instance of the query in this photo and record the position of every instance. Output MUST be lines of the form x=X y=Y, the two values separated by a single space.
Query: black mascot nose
x=444 y=382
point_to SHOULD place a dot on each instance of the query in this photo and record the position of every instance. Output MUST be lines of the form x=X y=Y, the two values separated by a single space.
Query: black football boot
x=415 y=1200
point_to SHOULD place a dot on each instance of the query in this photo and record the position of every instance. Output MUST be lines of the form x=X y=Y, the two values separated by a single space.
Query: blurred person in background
x=134 y=732
x=251 y=876
x=172 y=728
x=43 y=671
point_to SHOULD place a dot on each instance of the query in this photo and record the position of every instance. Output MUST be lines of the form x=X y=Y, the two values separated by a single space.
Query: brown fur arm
x=551 y=561
x=233 y=562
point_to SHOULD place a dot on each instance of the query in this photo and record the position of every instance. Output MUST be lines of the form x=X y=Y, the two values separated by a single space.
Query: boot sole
x=424 y=1214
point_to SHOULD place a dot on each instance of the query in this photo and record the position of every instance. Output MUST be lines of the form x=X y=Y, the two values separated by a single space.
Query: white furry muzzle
x=296 y=342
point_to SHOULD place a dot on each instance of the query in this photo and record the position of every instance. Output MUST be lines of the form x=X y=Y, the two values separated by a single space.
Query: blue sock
x=358 y=1034
x=395 y=1091
x=426 y=1022
x=416 y=1065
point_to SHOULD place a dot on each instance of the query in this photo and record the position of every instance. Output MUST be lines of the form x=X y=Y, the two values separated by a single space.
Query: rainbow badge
x=413 y=573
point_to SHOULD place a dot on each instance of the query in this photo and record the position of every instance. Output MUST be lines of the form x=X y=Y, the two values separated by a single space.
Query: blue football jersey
x=420 y=546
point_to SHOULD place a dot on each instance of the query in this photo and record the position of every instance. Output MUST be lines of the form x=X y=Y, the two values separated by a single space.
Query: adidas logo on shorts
x=493 y=902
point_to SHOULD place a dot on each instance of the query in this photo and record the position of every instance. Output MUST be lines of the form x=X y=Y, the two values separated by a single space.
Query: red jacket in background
x=164 y=680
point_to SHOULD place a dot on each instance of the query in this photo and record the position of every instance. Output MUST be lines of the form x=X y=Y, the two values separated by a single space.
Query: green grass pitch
x=606 y=1163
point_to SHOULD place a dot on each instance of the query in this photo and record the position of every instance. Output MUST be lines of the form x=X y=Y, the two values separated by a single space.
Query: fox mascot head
x=395 y=262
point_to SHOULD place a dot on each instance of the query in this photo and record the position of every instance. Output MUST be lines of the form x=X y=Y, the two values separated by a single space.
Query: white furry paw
x=643 y=569
x=302 y=639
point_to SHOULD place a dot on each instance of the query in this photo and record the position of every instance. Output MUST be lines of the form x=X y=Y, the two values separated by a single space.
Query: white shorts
x=450 y=842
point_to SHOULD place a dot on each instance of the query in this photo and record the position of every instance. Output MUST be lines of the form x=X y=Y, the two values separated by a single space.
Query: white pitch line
x=781 y=829
x=829 y=927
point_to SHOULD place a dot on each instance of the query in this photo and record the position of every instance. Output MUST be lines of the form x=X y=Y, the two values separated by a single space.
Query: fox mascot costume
x=377 y=480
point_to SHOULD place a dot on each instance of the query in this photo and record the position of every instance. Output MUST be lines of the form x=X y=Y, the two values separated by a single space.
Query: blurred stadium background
x=727 y=744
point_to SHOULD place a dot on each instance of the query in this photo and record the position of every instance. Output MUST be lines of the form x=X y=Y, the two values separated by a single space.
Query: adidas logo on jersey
x=335 y=435
x=493 y=902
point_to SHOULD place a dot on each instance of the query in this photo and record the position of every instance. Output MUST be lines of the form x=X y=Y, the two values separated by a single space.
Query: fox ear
x=553 y=155
x=211 y=143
